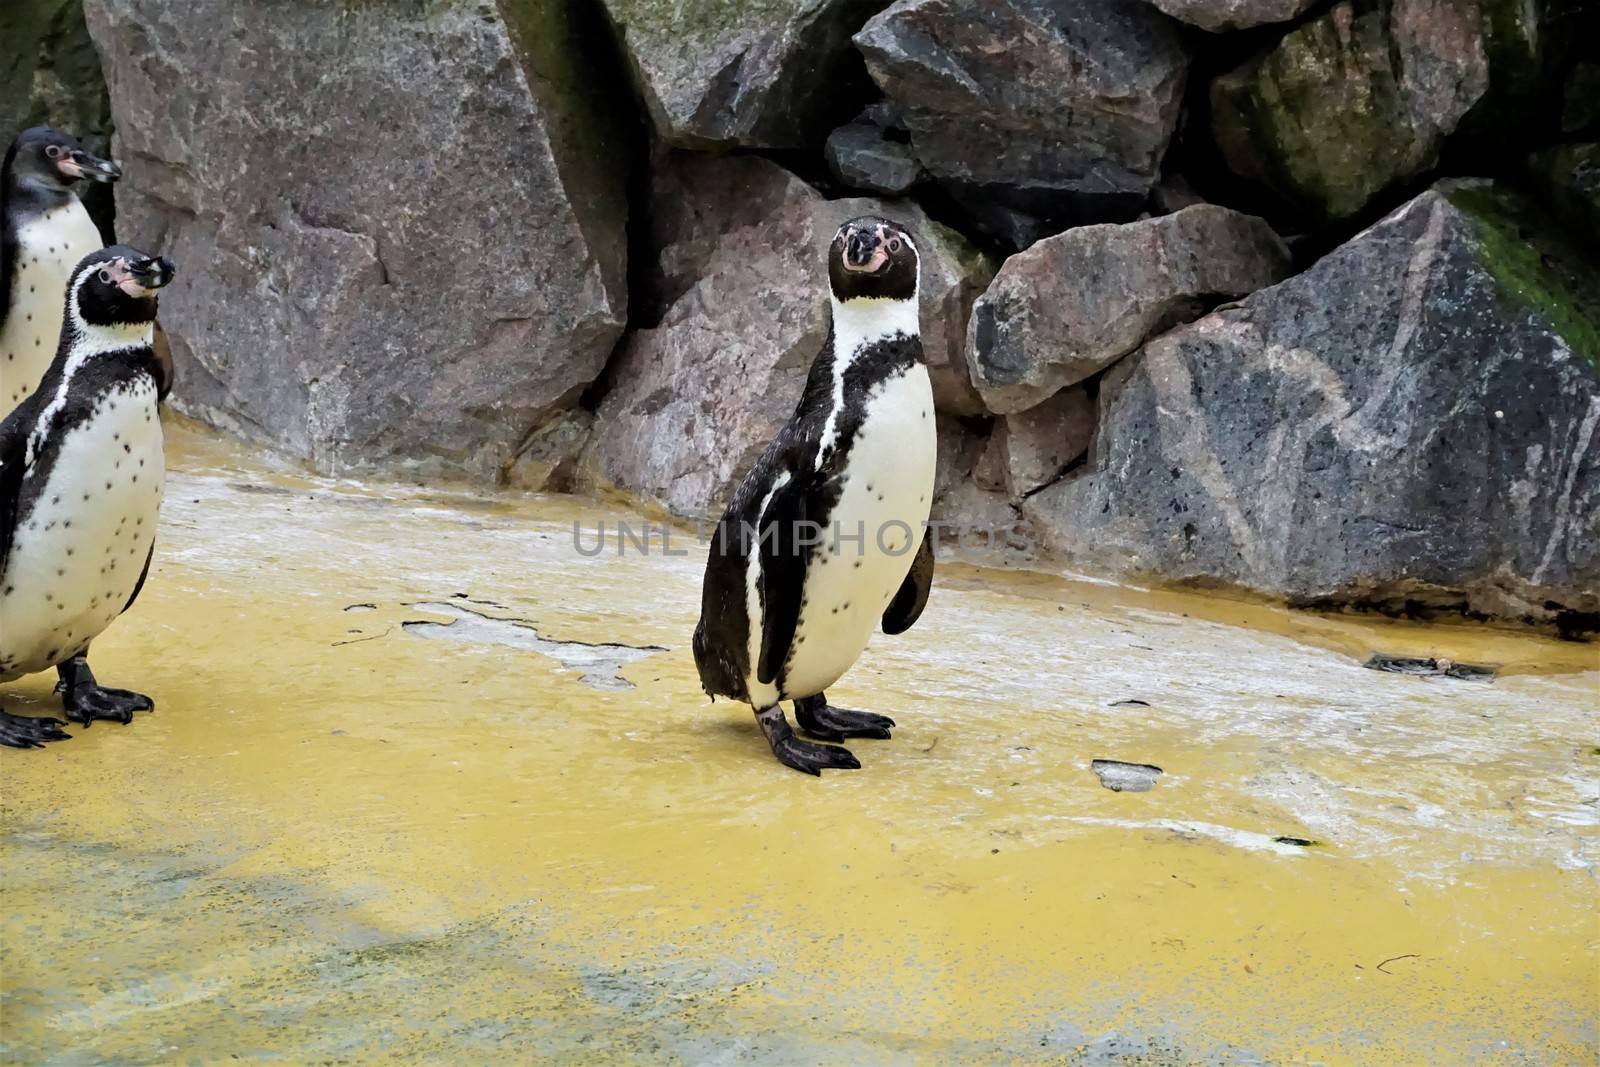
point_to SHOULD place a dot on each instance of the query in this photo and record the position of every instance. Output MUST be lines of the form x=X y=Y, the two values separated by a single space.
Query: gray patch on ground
x=1120 y=777
x=600 y=664
x=1466 y=672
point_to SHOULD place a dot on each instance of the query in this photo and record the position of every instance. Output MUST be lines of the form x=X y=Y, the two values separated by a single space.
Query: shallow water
x=337 y=839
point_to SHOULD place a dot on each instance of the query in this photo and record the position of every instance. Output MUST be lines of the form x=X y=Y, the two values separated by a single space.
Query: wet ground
x=426 y=782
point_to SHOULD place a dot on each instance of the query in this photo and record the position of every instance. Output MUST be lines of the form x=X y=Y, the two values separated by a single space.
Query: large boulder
x=1414 y=423
x=1221 y=15
x=400 y=232
x=50 y=75
x=1361 y=100
x=1075 y=303
x=755 y=73
x=1033 y=113
x=696 y=396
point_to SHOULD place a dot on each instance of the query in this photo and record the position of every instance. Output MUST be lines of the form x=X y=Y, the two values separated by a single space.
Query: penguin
x=827 y=534
x=81 y=477
x=44 y=233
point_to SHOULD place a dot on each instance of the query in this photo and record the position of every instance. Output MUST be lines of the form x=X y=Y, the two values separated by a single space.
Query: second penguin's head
x=54 y=158
x=872 y=258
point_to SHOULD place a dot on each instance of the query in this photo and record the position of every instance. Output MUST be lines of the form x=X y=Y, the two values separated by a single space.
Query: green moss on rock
x=1532 y=263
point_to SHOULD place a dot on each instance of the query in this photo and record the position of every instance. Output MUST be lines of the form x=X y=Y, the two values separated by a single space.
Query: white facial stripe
x=88 y=342
x=856 y=324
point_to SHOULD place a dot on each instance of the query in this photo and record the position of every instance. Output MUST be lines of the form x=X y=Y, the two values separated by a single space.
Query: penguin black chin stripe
x=824 y=539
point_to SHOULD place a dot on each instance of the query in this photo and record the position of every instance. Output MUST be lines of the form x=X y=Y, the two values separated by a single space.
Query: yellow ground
x=338 y=840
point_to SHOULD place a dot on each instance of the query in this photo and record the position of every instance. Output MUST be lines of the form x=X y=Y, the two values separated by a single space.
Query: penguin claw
x=84 y=704
x=824 y=722
x=812 y=758
x=20 y=731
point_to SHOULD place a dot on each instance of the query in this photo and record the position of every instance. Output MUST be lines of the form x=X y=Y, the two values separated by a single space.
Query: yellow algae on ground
x=342 y=838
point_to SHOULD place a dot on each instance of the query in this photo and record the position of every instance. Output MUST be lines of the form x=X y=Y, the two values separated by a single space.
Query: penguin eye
x=105 y=276
x=53 y=151
x=894 y=244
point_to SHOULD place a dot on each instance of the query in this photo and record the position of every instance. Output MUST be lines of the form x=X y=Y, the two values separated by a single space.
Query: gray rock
x=1033 y=447
x=756 y=73
x=1030 y=111
x=1412 y=423
x=1073 y=304
x=699 y=394
x=1353 y=102
x=861 y=157
x=1221 y=15
x=381 y=261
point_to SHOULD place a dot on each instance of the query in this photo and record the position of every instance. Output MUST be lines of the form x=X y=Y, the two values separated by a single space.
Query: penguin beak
x=80 y=164
x=145 y=276
x=864 y=252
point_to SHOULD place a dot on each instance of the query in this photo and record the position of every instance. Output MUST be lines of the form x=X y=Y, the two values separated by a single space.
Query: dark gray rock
x=1073 y=304
x=1033 y=113
x=861 y=157
x=1568 y=176
x=1412 y=423
x=1361 y=99
x=756 y=73
x=381 y=260
x=701 y=392
x=1221 y=15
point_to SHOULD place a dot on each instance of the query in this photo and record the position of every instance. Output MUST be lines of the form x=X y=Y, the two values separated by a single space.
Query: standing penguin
x=827 y=533
x=81 y=475
x=44 y=233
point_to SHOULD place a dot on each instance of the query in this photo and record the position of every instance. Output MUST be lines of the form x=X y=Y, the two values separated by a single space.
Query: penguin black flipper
x=906 y=607
x=148 y=556
x=13 y=453
x=783 y=573
x=19 y=731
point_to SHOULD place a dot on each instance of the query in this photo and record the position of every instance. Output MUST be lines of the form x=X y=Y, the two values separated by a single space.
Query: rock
x=861 y=157
x=1073 y=304
x=546 y=460
x=1120 y=777
x=754 y=73
x=383 y=260
x=1033 y=113
x=1568 y=176
x=50 y=75
x=1361 y=99
x=699 y=394
x=1036 y=445
x=1222 y=15
x=1411 y=425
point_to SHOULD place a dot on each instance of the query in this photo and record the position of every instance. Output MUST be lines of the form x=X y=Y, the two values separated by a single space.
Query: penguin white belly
x=887 y=489
x=48 y=248
x=78 y=553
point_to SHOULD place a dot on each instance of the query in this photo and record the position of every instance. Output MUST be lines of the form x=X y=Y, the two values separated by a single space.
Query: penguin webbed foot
x=21 y=731
x=819 y=719
x=86 y=703
x=805 y=756
x=83 y=700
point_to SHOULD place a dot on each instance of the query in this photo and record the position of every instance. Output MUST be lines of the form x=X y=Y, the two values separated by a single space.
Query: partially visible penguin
x=827 y=533
x=44 y=233
x=81 y=477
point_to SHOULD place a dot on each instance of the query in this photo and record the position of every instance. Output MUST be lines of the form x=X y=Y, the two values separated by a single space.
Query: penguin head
x=872 y=258
x=116 y=287
x=50 y=157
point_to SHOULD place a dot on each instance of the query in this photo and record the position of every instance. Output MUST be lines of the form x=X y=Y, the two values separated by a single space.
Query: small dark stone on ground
x=1466 y=672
